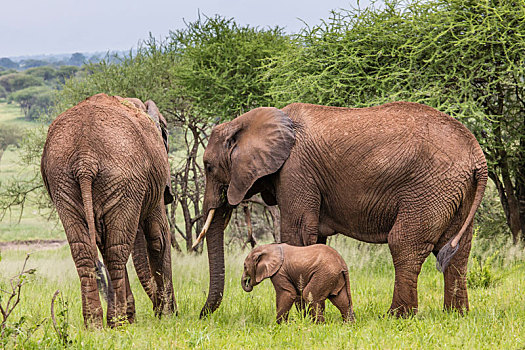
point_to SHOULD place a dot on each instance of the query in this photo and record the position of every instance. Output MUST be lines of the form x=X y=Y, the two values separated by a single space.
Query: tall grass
x=247 y=320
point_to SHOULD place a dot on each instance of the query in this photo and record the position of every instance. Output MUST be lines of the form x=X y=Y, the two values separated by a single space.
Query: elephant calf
x=301 y=275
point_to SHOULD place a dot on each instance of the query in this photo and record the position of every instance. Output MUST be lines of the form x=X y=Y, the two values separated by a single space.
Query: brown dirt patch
x=33 y=244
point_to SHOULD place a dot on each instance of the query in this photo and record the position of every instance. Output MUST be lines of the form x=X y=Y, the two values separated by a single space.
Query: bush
x=44 y=72
x=18 y=81
x=481 y=274
x=34 y=101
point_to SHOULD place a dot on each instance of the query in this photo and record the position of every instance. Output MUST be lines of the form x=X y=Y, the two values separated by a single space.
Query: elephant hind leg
x=314 y=295
x=455 y=275
x=130 y=300
x=343 y=302
x=84 y=256
x=410 y=244
x=120 y=228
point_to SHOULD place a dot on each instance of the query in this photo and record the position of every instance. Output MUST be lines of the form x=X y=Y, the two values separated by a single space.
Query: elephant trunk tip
x=246 y=285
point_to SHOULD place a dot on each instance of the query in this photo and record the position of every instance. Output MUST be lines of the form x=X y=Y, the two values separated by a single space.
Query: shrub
x=481 y=274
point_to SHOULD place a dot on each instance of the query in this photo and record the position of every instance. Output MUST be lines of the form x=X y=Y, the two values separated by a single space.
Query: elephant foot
x=94 y=322
x=402 y=311
x=459 y=305
x=349 y=318
x=130 y=317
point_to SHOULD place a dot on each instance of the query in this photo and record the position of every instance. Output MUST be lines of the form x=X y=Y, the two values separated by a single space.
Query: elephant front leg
x=159 y=255
x=299 y=202
x=285 y=294
x=284 y=302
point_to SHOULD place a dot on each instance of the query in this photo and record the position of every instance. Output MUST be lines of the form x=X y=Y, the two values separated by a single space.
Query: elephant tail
x=446 y=253
x=86 y=182
x=103 y=280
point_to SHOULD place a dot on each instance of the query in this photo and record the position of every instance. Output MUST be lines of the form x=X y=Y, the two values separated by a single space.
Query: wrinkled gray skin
x=301 y=275
x=105 y=167
x=402 y=173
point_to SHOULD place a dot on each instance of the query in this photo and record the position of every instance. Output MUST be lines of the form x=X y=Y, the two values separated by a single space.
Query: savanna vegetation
x=462 y=57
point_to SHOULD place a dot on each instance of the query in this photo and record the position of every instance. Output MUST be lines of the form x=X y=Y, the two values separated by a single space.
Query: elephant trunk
x=215 y=244
x=245 y=283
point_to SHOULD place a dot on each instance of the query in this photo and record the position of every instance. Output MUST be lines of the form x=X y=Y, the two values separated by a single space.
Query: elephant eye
x=208 y=167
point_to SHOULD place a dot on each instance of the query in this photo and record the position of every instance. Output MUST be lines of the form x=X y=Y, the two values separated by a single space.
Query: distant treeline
x=34 y=88
x=77 y=59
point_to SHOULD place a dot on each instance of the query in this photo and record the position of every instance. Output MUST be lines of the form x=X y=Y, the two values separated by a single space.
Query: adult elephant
x=400 y=173
x=106 y=169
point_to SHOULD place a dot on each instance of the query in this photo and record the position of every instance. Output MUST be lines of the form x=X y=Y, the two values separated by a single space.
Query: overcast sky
x=33 y=27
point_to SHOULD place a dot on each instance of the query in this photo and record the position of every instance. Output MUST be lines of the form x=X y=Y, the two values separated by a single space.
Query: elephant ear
x=154 y=113
x=269 y=262
x=259 y=143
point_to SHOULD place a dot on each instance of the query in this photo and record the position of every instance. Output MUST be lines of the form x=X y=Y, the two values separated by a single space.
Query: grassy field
x=246 y=321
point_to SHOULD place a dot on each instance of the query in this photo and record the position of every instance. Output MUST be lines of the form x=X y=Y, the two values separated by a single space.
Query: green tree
x=17 y=81
x=463 y=57
x=77 y=59
x=220 y=69
x=34 y=100
x=47 y=73
x=207 y=72
x=30 y=63
x=4 y=71
x=9 y=135
x=3 y=92
x=8 y=63
x=66 y=72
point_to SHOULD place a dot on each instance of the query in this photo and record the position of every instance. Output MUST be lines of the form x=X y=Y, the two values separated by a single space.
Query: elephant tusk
x=204 y=229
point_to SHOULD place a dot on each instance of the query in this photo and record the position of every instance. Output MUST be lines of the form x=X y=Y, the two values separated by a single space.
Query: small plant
x=481 y=274
x=12 y=296
x=62 y=325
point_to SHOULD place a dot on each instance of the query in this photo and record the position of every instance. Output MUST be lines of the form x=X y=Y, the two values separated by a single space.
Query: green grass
x=12 y=115
x=30 y=225
x=247 y=320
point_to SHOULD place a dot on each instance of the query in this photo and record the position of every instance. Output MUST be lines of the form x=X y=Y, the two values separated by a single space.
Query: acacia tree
x=201 y=75
x=463 y=57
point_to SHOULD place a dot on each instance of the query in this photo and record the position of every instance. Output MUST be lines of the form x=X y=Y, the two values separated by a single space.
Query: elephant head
x=261 y=263
x=239 y=153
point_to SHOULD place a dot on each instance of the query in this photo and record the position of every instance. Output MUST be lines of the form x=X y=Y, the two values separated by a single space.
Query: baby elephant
x=301 y=275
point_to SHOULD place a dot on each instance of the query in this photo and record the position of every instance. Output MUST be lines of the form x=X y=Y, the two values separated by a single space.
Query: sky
x=36 y=27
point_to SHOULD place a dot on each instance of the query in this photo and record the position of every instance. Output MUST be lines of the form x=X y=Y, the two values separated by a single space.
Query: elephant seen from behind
x=402 y=173
x=304 y=276
x=105 y=167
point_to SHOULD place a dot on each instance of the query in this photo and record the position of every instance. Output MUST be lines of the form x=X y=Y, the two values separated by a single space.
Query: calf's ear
x=268 y=262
